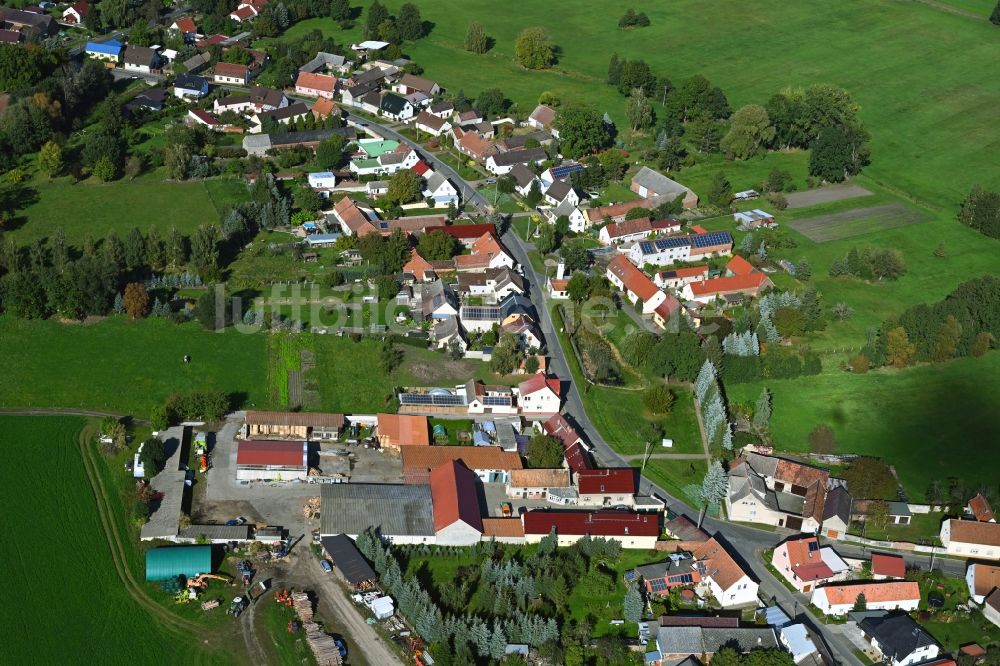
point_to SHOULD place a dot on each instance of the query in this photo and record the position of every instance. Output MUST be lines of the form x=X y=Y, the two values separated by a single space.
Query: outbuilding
x=266 y=460
x=172 y=561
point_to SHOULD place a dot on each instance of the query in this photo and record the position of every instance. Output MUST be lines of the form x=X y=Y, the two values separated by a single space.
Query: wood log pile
x=323 y=647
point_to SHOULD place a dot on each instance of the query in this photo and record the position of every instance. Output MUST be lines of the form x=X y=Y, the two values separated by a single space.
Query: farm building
x=292 y=425
x=173 y=561
x=264 y=460
x=401 y=513
x=352 y=564
x=648 y=183
x=214 y=533
x=633 y=530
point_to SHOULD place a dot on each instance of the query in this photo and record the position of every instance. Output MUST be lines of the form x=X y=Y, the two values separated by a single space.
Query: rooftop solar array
x=658 y=585
x=699 y=240
x=564 y=170
x=682 y=579
x=429 y=399
x=498 y=400
x=711 y=238
x=478 y=312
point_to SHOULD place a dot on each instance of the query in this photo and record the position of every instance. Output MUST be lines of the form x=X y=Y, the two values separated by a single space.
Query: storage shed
x=172 y=561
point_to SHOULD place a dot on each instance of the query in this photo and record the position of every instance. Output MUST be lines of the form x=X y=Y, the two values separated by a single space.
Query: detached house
x=679 y=277
x=693 y=247
x=775 y=491
x=979 y=509
x=635 y=285
x=982 y=580
x=805 y=564
x=636 y=229
x=440 y=189
x=109 y=51
x=312 y=84
x=186 y=28
x=705 y=566
x=396 y=107
x=740 y=278
x=76 y=13
x=839 y=598
x=231 y=73
x=648 y=184
x=409 y=84
x=502 y=163
x=139 y=59
x=431 y=124
x=607 y=486
x=190 y=86
x=972 y=539
x=539 y=395
x=561 y=192
x=899 y=639
x=543 y=118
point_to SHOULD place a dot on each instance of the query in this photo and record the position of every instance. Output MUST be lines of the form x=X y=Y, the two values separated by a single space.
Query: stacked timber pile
x=303 y=606
x=311 y=507
x=323 y=647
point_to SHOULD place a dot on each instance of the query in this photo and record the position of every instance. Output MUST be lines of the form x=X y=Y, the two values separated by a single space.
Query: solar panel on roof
x=646 y=247
x=447 y=400
x=813 y=546
x=414 y=399
x=658 y=585
x=496 y=401
x=712 y=238
x=564 y=170
x=474 y=312
x=678 y=241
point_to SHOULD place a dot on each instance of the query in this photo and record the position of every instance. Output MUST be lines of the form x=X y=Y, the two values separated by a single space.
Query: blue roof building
x=172 y=561
x=111 y=48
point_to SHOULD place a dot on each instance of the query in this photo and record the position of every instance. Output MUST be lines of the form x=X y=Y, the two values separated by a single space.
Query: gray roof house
x=325 y=61
x=648 y=184
x=676 y=643
x=837 y=512
x=899 y=639
x=139 y=58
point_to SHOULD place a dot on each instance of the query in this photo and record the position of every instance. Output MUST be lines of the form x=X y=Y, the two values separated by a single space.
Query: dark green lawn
x=124 y=366
x=929 y=422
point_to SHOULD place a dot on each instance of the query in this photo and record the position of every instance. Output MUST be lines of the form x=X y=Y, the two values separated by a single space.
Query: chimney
x=560 y=269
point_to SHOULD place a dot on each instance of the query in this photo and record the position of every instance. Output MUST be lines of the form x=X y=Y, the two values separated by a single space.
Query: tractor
x=237 y=607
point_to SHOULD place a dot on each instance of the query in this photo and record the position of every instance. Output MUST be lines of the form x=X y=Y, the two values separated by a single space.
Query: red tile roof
x=628 y=227
x=607 y=481
x=884 y=564
x=594 y=523
x=420 y=168
x=740 y=266
x=323 y=107
x=558 y=426
x=981 y=509
x=986 y=578
x=895 y=590
x=805 y=559
x=186 y=24
x=417 y=265
x=634 y=280
x=316 y=81
x=269 y=452
x=578 y=459
x=730 y=285
x=230 y=69
x=503 y=527
x=971 y=531
x=537 y=383
x=243 y=13
x=347 y=211
x=404 y=429
x=668 y=307
x=474 y=457
x=454 y=496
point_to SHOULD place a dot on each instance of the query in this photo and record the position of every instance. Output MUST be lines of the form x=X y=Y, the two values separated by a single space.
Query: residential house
x=635 y=285
x=472 y=145
x=231 y=74
x=836 y=513
x=558 y=426
x=562 y=171
x=741 y=277
x=76 y=13
x=425 y=121
x=524 y=331
x=466 y=234
x=523 y=179
x=693 y=247
x=973 y=539
x=539 y=395
x=899 y=639
x=444 y=109
x=982 y=580
x=705 y=566
x=486 y=252
x=186 y=28
x=991 y=607
x=502 y=163
x=617 y=212
x=678 y=645
x=535 y=483
x=322 y=180
x=490 y=463
x=628 y=231
x=885 y=566
x=439 y=188
x=140 y=59
x=385 y=164
x=418 y=267
x=312 y=84
x=775 y=491
x=109 y=51
x=561 y=192
x=190 y=86
x=247 y=10
x=396 y=107
x=323 y=108
x=434 y=300
x=839 y=598
x=303 y=426
x=470 y=117
x=665 y=311
x=543 y=118
x=483 y=399
x=577 y=218
x=448 y=332
x=632 y=530
x=805 y=564
x=979 y=508
x=271 y=460
x=283 y=116
x=455 y=499
x=609 y=487
x=409 y=84
x=558 y=286
x=648 y=184
x=199 y=117
x=29 y=24
x=151 y=99
x=677 y=278
x=400 y=431
x=326 y=62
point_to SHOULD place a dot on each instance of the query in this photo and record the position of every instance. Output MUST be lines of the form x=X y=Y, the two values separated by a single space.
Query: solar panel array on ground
x=428 y=399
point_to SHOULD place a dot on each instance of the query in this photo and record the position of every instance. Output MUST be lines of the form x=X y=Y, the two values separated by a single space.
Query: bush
x=197 y=406
x=658 y=400
x=860 y=364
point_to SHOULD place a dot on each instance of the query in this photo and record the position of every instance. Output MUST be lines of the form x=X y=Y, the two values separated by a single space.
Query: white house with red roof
x=805 y=564
x=76 y=13
x=186 y=28
x=632 y=530
x=678 y=278
x=983 y=580
x=607 y=486
x=314 y=84
x=839 y=598
x=741 y=278
x=635 y=284
x=886 y=566
x=247 y=10
x=425 y=121
x=539 y=395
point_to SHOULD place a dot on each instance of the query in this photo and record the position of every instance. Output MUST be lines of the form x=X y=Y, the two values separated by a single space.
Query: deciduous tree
x=411 y=25
x=476 y=40
x=544 y=452
x=750 y=132
x=136 y=300
x=533 y=49
x=50 y=159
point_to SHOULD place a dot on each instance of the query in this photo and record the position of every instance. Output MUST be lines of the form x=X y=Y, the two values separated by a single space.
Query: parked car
x=341 y=647
x=326 y=566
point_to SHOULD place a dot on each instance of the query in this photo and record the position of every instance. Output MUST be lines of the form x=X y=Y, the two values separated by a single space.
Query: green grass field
x=930 y=422
x=124 y=366
x=66 y=603
x=614 y=413
x=91 y=207
x=912 y=67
